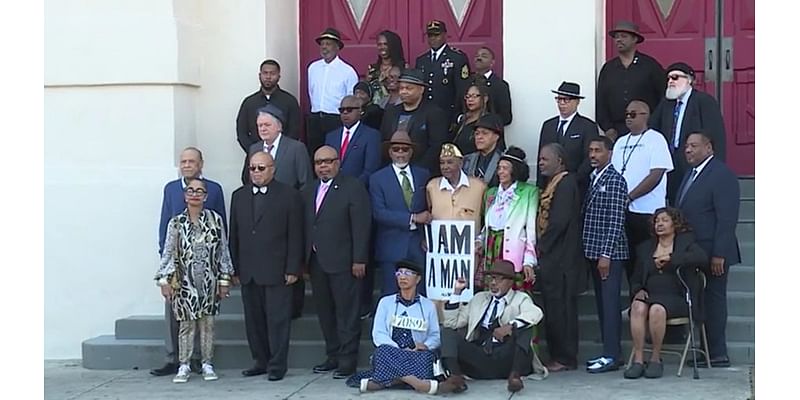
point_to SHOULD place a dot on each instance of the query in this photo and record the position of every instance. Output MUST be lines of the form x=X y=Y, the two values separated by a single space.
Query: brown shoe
x=453 y=384
x=514 y=383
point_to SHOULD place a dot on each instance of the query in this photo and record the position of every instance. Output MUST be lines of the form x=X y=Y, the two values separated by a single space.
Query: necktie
x=408 y=192
x=433 y=55
x=676 y=112
x=561 y=126
x=321 y=194
x=493 y=316
x=268 y=148
x=345 y=143
x=687 y=185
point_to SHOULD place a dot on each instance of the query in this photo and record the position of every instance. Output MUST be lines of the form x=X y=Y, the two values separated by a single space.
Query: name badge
x=406 y=322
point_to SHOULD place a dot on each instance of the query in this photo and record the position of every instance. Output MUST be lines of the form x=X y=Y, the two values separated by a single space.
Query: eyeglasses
x=325 y=161
x=560 y=99
x=343 y=110
x=401 y=149
x=675 y=77
x=404 y=272
x=195 y=192
x=634 y=114
x=472 y=96
x=260 y=168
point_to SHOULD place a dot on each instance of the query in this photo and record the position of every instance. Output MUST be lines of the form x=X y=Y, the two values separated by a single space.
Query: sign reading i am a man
x=450 y=257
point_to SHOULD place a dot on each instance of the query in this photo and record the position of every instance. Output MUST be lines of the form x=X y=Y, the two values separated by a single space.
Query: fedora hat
x=570 y=89
x=491 y=122
x=331 y=34
x=413 y=76
x=408 y=264
x=502 y=268
x=628 y=27
x=399 y=137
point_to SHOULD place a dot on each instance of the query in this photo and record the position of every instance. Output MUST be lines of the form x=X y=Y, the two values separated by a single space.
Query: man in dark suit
x=338 y=223
x=571 y=130
x=292 y=167
x=709 y=199
x=399 y=211
x=425 y=122
x=482 y=164
x=269 y=93
x=266 y=250
x=686 y=110
x=605 y=246
x=358 y=145
x=445 y=69
x=499 y=91
x=173 y=203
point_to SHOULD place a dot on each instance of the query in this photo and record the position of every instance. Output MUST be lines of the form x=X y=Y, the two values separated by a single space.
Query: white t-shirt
x=634 y=157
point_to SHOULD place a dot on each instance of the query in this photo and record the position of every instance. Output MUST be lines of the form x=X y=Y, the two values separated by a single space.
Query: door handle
x=727 y=58
x=710 y=60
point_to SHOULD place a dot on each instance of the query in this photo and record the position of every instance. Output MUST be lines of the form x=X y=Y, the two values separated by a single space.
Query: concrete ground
x=68 y=380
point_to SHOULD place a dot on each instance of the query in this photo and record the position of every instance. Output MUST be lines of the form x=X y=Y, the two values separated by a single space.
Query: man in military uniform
x=446 y=70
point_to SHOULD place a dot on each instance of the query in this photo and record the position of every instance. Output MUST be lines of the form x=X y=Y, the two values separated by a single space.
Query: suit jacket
x=448 y=79
x=520 y=230
x=267 y=246
x=490 y=175
x=340 y=230
x=427 y=129
x=173 y=204
x=363 y=154
x=292 y=165
x=701 y=112
x=246 y=129
x=390 y=214
x=500 y=97
x=604 y=217
x=575 y=140
x=520 y=309
x=711 y=206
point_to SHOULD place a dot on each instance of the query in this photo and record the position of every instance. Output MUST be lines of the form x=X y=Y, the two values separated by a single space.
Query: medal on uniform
x=446 y=66
x=464 y=72
x=445 y=81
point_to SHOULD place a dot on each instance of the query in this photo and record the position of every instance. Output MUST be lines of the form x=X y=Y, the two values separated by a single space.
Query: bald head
x=262 y=168
x=350 y=110
x=636 y=115
x=326 y=163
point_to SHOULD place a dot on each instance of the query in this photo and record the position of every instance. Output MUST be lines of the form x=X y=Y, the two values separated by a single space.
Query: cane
x=691 y=323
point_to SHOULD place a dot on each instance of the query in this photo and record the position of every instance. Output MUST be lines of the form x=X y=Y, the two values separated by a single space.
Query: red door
x=685 y=30
x=470 y=24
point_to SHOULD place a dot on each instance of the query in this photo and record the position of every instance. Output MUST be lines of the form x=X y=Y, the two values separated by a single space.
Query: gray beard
x=401 y=166
x=674 y=93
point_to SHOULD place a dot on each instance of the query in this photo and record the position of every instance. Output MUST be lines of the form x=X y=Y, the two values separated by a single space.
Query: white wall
x=544 y=44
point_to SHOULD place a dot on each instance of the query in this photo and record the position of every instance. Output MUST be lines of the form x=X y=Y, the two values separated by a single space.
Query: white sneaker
x=208 y=373
x=183 y=374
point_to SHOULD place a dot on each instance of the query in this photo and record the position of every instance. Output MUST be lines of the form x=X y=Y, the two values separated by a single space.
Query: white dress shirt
x=462 y=181
x=676 y=141
x=437 y=53
x=497 y=218
x=488 y=74
x=328 y=83
x=275 y=144
x=566 y=125
x=352 y=131
x=700 y=167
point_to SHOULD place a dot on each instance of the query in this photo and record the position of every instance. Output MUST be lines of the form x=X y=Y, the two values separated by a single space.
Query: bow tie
x=262 y=190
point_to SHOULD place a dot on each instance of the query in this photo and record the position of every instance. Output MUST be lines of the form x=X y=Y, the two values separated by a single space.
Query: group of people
x=645 y=198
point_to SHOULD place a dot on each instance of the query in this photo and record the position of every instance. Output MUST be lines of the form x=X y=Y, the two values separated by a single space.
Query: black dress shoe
x=167 y=369
x=343 y=373
x=255 y=371
x=274 y=376
x=327 y=366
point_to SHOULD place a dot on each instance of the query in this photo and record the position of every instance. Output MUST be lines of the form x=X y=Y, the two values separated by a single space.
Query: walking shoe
x=208 y=372
x=654 y=370
x=183 y=374
x=635 y=371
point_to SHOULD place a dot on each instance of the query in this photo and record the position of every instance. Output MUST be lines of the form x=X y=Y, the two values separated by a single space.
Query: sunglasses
x=195 y=192
x=634 y=114
x=401 y=149
x=472 y=96
x=675 y=77
x=325 y=161
x=563 y=99
x=260 y=168
x=344 y=110
x=404 y=272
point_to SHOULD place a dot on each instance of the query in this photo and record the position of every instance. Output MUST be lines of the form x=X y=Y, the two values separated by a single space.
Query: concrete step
x=748 y=252
x=107 y=352
x=746 y=231
x=747 y=187
x=747 y=208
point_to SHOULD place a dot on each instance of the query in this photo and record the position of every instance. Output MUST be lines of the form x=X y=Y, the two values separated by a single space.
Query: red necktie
x=345 y=143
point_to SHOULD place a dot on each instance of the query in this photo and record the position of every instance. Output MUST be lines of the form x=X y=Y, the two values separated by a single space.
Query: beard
x=400 y=165
x=673 y=93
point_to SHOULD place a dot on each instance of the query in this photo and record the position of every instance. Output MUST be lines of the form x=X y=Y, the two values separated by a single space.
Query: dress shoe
x=167 y=369
x=514 y=383
x=604 y=364
x=255 y=371
x=274 y=376
x=343 y=373
x=327 y=366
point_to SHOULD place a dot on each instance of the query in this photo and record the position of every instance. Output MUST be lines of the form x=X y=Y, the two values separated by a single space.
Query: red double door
x=717 y=38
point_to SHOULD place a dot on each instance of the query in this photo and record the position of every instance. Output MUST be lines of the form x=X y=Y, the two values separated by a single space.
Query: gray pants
x=171 y=339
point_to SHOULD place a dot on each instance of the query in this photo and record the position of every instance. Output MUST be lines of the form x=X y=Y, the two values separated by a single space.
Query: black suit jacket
x=246 y=129
x=265 y=247
x=711 y=206
x=427 y=129
x=340 y=230
x=576 y=139
x=500 y=97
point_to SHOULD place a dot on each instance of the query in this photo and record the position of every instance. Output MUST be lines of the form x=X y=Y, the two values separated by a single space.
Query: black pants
x=561 y=321
x=266 y=320
x=298 y=296
x=337 y=297
x=463 y=357
x=716 y=312
x=638 y=229
x=317 y=126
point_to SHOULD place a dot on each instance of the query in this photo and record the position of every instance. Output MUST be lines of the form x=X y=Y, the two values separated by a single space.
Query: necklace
x=624 y=151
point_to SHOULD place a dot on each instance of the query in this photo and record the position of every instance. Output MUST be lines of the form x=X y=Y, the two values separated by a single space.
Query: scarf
x=543 y=216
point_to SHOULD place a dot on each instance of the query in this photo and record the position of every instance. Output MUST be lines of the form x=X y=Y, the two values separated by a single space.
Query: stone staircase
x=137 y=341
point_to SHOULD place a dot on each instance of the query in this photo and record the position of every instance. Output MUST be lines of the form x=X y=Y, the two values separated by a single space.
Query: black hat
x=628 y=27
x=570 y=89
x=491 y=122
x=331 y=34
x=413 y=76
x=435 y=27
x=364 y=87
x=274 y=111
x=408 y=264
x=683 y=67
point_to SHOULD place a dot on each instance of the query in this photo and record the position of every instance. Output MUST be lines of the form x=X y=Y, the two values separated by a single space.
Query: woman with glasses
x=476 y=104
x=406 y=334
x=194 y=275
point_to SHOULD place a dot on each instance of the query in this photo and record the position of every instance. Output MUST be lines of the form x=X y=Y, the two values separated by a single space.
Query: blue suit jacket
x=363 y=154
x=390 y=214
x=711 y=206
x=173 y=204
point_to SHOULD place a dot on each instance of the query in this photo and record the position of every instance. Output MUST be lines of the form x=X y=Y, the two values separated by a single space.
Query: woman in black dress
x=476 y=104
x=658 y=293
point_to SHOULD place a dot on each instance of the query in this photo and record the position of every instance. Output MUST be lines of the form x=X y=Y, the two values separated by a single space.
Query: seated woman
x=406 y=333
x=658 y=293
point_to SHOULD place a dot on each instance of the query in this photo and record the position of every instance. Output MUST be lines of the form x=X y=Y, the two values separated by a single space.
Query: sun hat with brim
x=331 y=34
x=627 y=27
x=502 y=268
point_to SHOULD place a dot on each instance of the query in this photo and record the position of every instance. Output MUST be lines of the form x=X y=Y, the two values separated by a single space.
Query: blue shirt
x=424 y=309
x=174 y=204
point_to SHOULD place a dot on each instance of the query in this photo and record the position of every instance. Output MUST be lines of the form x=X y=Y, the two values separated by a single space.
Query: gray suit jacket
x=292 y=165
x=490 y=175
